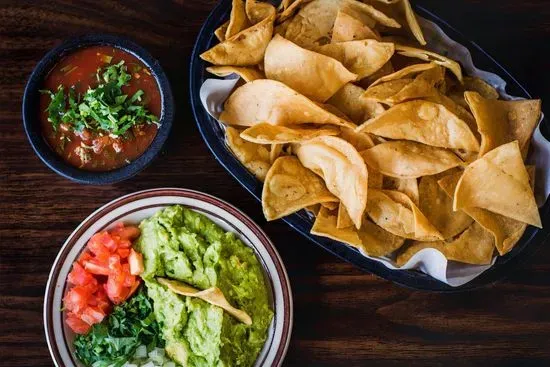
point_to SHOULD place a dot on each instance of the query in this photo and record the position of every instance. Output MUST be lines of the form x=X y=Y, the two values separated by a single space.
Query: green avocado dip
x=181 y=244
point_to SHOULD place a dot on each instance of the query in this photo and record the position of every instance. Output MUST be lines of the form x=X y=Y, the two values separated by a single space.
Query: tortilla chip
x=213 y=295
x=362 y=57
x=238 y=20
x=256 y=11
x=401 y=90
x=425 y=55
x=254 y=157
x=360 y=141
x=342 y=168
x=413 y=22
x=385 y=70
x=402 y=11
x=290 y=9
x=499 y=182
x=284 y=4
x=407 y=159
x=425 y=122
x=506 y=231
x=221 y=30
x=467 y=157
x=408 y=186
x=243 y=49
x=480 y=86
x=343 y=220
x=335 y=111
x=280 y=29
x=390 y=215
x=330 y=205
x=264 y=133
x=313 y=24
x=438 y=208
x=396 y=213
x=473 y=246
x=349 y=99
x=314 y=75
x=500 y=122
x=271 y=101
x=290 y=187
x=348 y=28
x=389 y=92
x=422 y=226
x=408 y=72
x=313 y=209
x=275 y=152
x=370 y=239
x=360 y=9
x=247 y=73
x=376 y=179
x=458 y=110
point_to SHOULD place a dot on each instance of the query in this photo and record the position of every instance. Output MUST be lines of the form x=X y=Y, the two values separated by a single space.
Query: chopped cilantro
x=114 y=341
x=104 y=108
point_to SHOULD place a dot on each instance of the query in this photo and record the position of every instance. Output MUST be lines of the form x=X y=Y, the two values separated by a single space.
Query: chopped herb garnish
x=114 y=341
x=104 y=108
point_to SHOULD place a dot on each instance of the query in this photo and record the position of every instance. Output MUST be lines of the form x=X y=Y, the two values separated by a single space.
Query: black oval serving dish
x=213 y=135
x=31 y=105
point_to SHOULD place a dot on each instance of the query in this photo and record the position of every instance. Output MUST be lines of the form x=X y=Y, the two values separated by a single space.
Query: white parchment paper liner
x=214 y=92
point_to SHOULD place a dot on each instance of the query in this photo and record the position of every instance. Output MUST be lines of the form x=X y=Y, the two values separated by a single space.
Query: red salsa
x=100 y=108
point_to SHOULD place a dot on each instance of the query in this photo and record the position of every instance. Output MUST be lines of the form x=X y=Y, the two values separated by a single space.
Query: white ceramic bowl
x=140 y=205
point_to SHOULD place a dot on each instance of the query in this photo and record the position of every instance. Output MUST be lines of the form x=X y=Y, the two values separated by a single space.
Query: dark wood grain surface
x=343 y=317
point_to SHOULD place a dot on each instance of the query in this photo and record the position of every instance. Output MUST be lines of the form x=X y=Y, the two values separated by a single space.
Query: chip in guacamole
x=180 y=244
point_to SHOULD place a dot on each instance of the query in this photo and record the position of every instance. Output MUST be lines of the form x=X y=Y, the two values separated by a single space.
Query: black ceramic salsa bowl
x=31 y=110
x=213 y=135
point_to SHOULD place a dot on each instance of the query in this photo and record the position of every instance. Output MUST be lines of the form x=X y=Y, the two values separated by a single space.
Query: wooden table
x=343 y=317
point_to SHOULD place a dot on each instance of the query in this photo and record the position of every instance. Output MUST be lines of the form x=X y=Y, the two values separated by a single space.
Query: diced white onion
x=141 y=352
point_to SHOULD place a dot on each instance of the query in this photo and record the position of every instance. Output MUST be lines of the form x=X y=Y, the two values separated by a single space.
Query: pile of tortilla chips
x=342 y=111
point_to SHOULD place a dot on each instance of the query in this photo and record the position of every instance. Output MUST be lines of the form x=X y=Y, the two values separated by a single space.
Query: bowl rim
x=59 y=262
x=415 y=280
x=30 y=107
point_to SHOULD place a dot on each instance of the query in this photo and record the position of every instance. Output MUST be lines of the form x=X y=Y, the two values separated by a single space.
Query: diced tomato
x=126 y=232
x=129 y=279
x=122 y=243
x=124 y=294
x=114 y=264
x=134 y=288
x=95 y=267
x=95 y=245
x=76 y=324
x=92 y=315
x=123 y=252
x=86 y=255
x=114 y=289
x=135 y=260
x=76 y=299
x=102 y=300
x=104 y=274
x=101 y=241
x=79 y=276
x=91 y=287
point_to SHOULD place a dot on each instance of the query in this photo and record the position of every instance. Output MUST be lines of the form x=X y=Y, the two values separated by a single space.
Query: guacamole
x=181 y=244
